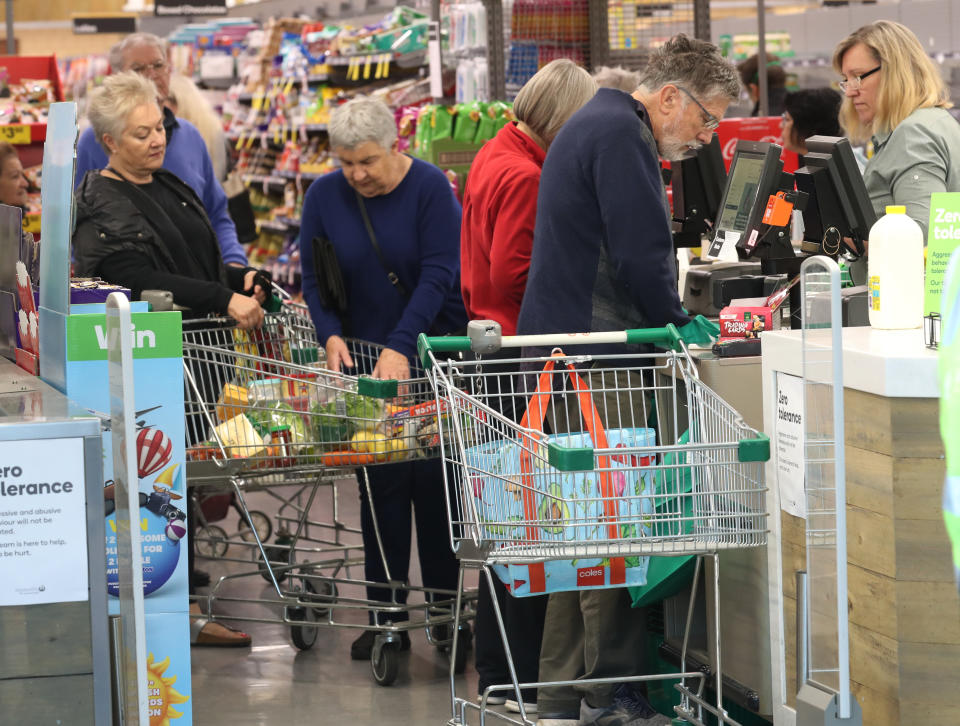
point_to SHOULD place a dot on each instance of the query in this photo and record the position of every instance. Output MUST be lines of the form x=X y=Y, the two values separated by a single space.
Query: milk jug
x=895 y=271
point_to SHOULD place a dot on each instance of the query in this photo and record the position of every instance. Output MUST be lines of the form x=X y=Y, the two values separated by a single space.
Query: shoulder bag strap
x=391 y=275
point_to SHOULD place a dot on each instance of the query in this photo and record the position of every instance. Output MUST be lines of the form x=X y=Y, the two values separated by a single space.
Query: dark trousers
x=401 y=491
x=523 y=620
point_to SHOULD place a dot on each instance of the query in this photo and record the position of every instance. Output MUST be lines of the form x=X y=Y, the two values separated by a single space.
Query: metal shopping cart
x=264 y=414
x=613 y=483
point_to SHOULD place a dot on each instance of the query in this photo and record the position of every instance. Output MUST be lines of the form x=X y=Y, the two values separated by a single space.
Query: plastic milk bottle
x=895 y=271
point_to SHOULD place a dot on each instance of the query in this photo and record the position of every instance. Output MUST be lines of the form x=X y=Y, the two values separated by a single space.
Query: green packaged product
x=441 y=122
x=421 y=137
x=487 y=125
x=504 y=114
x=468 y=118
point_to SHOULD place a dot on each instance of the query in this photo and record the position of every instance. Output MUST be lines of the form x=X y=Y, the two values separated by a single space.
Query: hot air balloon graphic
x=154 y=449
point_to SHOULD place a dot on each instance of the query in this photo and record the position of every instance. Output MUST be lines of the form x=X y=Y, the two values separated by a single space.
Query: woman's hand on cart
x=256 y=285
x=392 y=366
x=338 y=354
x=246 y=311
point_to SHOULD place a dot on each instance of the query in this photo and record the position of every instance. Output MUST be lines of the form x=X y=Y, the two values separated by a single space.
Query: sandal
x=199 y=637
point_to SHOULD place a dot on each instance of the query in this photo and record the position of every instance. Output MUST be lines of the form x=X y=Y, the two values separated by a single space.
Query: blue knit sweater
x=603 y=255
x=188 y=158
x=417 y=226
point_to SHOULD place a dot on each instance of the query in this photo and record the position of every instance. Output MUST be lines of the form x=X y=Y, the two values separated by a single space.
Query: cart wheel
x=326 y=593
x=303 y=636
x=386 y=665
x=211 y=541
x=276 y=556
x=260 y=521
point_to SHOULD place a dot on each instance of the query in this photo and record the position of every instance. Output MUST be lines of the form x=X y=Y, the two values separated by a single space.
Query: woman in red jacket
x=496 y=238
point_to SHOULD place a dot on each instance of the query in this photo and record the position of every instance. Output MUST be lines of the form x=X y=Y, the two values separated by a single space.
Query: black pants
x=399 y=491
x=523 y=619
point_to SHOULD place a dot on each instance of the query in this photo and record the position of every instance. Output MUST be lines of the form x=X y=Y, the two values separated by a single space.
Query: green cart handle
x=668 y=337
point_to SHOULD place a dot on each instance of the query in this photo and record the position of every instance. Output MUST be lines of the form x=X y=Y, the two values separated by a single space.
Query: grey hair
x=109 y=105
x=617 y=77
x=360 y=120
x=117 y=51
x=694 y=64
x=552 y=96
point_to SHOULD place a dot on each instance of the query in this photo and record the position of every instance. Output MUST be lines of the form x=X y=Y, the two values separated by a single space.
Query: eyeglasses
x=855 y=83
x=150 y=68
x=710 y=122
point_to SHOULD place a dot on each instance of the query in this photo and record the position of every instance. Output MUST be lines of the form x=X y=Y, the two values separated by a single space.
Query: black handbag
x=330 y=287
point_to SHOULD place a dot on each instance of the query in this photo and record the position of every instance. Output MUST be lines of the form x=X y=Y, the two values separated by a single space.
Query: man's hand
x=259 y=294
x=392 y=366
x=246 y=311
x=338 y=354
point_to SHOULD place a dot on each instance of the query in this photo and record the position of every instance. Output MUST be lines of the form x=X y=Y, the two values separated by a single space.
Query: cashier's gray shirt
x=921 y=156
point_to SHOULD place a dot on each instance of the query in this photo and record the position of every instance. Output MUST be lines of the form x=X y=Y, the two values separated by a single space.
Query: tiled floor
x=274 y=683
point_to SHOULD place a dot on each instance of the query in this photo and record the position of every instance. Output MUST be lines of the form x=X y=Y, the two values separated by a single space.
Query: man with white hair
x=186 y=155
x=603 y=259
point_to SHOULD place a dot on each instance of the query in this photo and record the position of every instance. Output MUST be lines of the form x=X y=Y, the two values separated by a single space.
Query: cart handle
x=485 y=337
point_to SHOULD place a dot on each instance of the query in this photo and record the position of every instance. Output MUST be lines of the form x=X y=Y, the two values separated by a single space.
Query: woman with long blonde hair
x=187 y=101
x=895 y=97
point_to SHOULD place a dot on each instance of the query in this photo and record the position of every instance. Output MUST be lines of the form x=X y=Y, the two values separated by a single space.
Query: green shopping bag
x=666 y=576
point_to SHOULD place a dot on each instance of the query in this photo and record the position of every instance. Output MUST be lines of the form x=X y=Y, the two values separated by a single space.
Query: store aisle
x=274 y=683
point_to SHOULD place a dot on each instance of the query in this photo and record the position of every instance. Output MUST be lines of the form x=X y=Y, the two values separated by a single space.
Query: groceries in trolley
x=270 y=399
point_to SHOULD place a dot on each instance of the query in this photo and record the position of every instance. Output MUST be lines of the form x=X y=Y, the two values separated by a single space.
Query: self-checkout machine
x=54 y=663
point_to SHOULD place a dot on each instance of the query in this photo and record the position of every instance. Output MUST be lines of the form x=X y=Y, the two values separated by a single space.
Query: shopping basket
x=511 y=510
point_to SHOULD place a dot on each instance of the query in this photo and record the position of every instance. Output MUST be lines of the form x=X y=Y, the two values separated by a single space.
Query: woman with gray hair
x=388 y=225
x=499 y=212
x=140 y=226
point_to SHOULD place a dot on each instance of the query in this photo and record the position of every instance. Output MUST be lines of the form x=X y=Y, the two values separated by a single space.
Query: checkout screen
x=741 y=193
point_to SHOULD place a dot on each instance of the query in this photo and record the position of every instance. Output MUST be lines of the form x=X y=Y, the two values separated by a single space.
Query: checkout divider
x=75 y=344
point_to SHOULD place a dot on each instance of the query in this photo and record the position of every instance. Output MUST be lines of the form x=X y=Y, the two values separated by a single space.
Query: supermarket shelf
x=268 y=180
x=272 y=225
x=309 y=128
x=294 y=174
x=291 y=222
x=314 y=80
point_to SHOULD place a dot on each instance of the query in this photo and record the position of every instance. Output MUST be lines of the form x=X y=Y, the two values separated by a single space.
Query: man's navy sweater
x=603 y=255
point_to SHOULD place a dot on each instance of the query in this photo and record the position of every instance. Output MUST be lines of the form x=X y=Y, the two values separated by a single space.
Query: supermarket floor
x=274 y=683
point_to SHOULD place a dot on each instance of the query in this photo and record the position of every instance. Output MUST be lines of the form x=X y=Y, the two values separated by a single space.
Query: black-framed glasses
x=710 y=122
x=156 y=67
x=856 y=83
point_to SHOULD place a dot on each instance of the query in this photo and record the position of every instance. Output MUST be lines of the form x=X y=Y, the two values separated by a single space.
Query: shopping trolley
x=264 y=414
x=612 y=484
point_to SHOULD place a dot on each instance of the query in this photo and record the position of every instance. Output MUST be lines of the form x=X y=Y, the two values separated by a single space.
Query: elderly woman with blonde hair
x=894 y=96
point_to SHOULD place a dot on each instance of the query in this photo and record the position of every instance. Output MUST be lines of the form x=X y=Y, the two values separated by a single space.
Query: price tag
x=15 y=133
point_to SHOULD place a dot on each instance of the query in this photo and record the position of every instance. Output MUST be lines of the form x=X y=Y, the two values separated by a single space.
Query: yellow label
x=15 y=133
x=873 y=287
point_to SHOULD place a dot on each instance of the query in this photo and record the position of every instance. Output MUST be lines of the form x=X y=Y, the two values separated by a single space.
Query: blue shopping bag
x=519 y=499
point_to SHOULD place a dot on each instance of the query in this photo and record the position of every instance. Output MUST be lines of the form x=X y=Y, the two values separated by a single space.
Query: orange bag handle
x=533 y=419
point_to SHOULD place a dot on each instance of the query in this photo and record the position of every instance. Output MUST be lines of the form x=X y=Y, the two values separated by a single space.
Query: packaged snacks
x=234 y=401
x=240 y=438
x=467 y=121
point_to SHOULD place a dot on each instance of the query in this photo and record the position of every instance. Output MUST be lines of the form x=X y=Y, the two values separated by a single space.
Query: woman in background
x=810 y=112
x=187 y=101
x=894 y=96
x=496 y=239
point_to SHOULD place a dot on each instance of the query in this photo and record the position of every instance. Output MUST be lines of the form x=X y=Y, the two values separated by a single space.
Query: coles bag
x=521 y=500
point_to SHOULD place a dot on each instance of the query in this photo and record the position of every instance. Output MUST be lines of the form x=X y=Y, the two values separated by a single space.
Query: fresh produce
x=280 y=413
x=336 y=421
x=347 y=458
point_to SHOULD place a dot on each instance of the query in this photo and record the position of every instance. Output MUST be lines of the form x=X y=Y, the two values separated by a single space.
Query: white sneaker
x=513 y=707
x=494 y=699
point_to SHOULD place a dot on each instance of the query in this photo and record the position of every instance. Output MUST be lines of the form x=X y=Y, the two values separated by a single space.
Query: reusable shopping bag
x=520 y=499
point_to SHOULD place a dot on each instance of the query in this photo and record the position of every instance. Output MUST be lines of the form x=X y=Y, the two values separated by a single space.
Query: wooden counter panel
x=901 y=427
x=924 y=612
x=877 y=709
x=873 y=662
x=923 y=551
x=872 y=601
x=928 y=672
x=869 y=541
x=869 y=477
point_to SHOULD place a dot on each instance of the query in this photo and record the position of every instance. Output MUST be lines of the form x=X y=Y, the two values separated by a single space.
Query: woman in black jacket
x=139 y=226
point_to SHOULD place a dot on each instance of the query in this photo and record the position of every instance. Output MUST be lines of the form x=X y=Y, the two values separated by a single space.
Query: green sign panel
x=153 y=335
x=942 y=239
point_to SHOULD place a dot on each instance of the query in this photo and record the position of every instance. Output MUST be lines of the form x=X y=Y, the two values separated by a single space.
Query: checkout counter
x=904 y=608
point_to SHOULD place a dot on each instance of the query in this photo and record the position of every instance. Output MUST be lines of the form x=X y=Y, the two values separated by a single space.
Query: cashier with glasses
x=894 y=95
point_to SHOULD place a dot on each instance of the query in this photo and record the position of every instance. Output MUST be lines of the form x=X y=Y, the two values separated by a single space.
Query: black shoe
x=361 y=648
x=200 y=578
